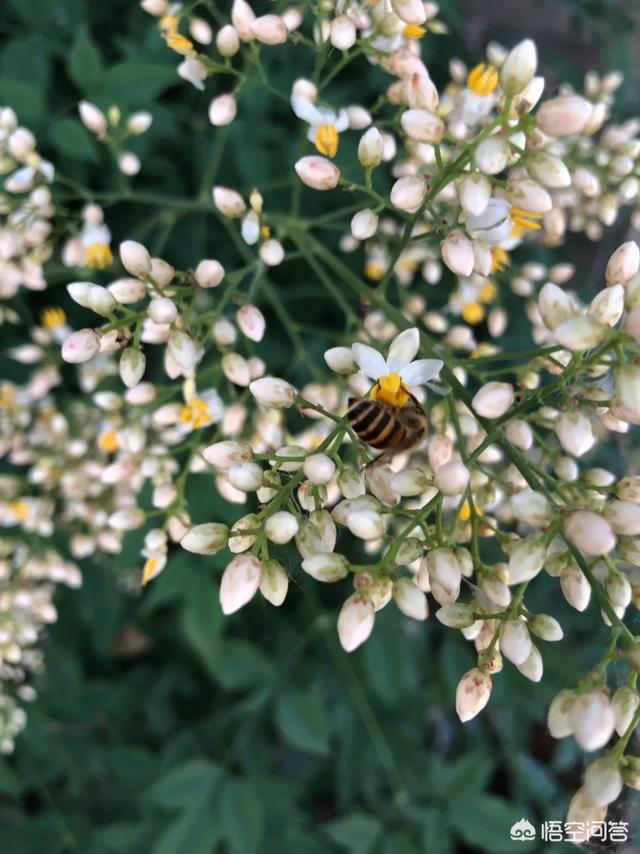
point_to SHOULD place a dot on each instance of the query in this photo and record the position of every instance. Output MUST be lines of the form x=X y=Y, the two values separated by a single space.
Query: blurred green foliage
x=163 y=727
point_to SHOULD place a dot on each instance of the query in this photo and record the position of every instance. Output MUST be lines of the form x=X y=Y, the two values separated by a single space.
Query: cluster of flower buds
x=26 y=210
x=110 y=129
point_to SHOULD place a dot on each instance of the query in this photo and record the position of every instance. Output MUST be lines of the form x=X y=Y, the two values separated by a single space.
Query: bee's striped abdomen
x=375 y=424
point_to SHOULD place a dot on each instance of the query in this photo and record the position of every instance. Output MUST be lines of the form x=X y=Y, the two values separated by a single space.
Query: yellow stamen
x=195 y=413
x=181 y=44
x=488 y=292
x=53 y=317
x=169 y=25
x=19 y=509
x=150 y=570
x=413 y=31
x=99 y=255
x=464 y=514
x=482 y=79
x=108 y=442
x=8 y=396
x=525 y=220
x=374 y=270
x=390 y=389
x=499 y=259
x=327 y=140
x=473 y=313
x=265 y=232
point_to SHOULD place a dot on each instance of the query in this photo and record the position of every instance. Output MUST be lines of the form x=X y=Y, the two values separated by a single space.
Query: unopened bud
x=472 y=694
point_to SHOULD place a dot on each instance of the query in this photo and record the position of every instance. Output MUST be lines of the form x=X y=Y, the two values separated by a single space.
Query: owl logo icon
x=522 y=831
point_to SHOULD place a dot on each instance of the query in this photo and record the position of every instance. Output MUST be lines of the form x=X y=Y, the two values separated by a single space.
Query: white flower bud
x=474 y=193
x=625 y=704
x=515 y=641
x=528 y=194
x=270 y=29
x=554 y=305
x=559 y=714
x=127 y=519
x=457 y=253
x=127 y=291
x=440 y=451
x=242 y=17
x=365 y=524
x=607 y=307
x=343 y=32
x=530 y=507
x=273 y=392
x=129 y=163
x=444 y=571
x=624 y=517
x=247 y=477
x=272 y=253
x=624 y=264
x=351 y=483
x=590 y=533
x=182 y=350
x=407 y=194
x=546 y=628
x=452 y=478
x=580 y=333
x=281 y=527
x=223 y=455
x=422 y=126
x=227 y=41
x=410 y=599
x=355 y=622
x=240 y=582
x=131 y=366
x=492 y=155
x=493 y=399
x=563 y=116
x=526 y=560
x=206 y=539
x=155 y=7
x=274 y=582
x=340 y=360
x=370 y=148
x=592 y=720
x=519 y=67
x=410 y=11
x=575 y=587
x=472 y=694
x=585 y=816
x=319 y=468
x=229 y=202
x=140 y=122
x=223 y=110
x=456 y=616
x=251 y=322
x=209 y=273
x=317 y=172
x=326 y=567
x=548 y=169
x=575 y=433
x=80 y=346
x=632 y=324
x=364 y=224
x=532 y=667
x=92 y=118
x=162 y=310
x=135 y=259
x=602 y=781
x=80 y=293
x=410 y=482
x=627 y=383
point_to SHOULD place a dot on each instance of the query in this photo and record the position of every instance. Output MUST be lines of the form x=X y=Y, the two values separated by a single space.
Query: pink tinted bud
x=472 y=694
x=355 y=622
x=240 y=582
x=564 y=116
x=80 y=346
x=317 y=172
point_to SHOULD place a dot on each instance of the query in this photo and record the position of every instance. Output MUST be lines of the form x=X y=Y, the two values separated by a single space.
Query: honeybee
x=386 y=426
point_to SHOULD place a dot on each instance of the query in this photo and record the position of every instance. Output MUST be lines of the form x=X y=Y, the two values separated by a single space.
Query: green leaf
x=239 y=664
x=26 y=60
x=9 y=784
x=467 y=775
x=132 y=82
x=357 y=833
x=436 y=835
x=84 y=62
x=302 y=722
x=202 y=618
x=185 y=783
x=485 y=822
x=71 y=139
x=242 y=817
x=196 y=831
x=25 y=98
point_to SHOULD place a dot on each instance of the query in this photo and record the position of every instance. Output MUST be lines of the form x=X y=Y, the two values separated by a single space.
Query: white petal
x=420 y=372
x=305 y=110
x=403 y=349
x=311 y=133
x=342 y=121
x=369 y=361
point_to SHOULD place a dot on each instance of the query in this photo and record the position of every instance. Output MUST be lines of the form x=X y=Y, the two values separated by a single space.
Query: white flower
x=324 y=124
x=398 y=370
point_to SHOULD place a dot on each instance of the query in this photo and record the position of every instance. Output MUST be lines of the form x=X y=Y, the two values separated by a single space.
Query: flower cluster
x=421 y=464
